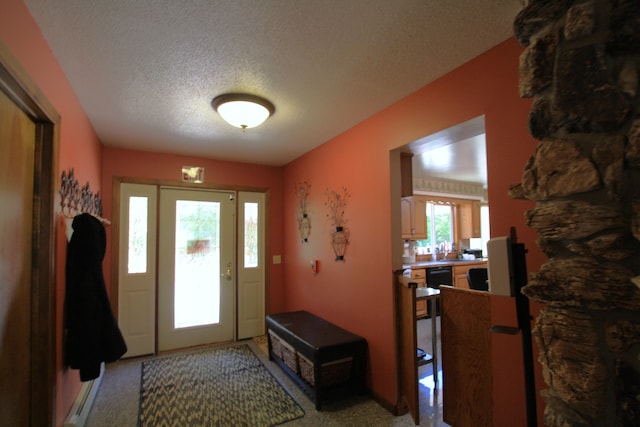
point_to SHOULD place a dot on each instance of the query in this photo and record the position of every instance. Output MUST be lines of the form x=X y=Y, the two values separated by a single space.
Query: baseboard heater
x=84 y=401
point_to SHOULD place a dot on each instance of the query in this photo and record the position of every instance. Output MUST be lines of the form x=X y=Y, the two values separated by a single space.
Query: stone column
x=581 y=63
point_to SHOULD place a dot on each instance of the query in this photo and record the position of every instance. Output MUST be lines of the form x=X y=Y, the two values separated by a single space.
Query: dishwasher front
x=437 y=276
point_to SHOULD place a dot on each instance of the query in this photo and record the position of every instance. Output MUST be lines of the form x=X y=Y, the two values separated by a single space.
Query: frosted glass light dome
x=243 y=111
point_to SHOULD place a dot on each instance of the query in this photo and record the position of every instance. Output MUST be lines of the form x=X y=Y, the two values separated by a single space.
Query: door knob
x=227 y=274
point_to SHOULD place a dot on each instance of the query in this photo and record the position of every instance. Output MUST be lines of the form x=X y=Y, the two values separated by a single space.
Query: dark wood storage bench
x=320 y=357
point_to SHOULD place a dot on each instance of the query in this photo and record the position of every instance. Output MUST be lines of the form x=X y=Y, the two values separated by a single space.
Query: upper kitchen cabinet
x=470 y=220
x=414 y=218
x=406 y=174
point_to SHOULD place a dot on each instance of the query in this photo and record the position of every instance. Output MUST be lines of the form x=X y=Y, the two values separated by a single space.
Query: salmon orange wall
x=118 y=162
x=79 y=149
x=357 y=294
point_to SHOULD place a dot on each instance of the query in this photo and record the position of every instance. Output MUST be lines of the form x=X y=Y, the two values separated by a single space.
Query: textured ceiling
x=145 y=71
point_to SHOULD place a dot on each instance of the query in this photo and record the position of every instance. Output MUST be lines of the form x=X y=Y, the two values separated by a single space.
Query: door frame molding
x=20 y=88
x=115 y=225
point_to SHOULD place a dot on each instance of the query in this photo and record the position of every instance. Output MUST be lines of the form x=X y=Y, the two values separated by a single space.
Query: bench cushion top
x=313 y=330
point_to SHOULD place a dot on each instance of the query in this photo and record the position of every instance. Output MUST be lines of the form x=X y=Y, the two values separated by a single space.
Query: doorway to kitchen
x=449 y=168
x=438 y=185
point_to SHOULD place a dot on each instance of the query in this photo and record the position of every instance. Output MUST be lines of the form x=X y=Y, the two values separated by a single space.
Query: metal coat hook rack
x=75 y=200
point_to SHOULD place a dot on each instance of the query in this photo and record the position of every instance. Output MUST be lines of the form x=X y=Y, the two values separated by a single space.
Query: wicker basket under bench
x=320 y=357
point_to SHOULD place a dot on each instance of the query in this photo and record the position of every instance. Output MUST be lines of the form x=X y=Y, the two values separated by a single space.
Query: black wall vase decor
x=304 y=221
x=336 y=204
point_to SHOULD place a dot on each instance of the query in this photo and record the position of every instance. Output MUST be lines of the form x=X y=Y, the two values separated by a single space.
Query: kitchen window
x=440 y=232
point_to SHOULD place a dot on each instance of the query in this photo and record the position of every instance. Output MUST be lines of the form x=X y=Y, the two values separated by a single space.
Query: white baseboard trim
x=81 y=407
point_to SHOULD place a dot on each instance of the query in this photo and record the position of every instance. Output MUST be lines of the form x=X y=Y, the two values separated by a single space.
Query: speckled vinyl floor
x=117 y=401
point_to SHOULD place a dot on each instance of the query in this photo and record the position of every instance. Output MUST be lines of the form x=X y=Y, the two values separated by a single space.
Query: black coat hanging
x=92 y=335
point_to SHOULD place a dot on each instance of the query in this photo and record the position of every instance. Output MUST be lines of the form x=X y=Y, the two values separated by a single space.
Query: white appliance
x=500 y=267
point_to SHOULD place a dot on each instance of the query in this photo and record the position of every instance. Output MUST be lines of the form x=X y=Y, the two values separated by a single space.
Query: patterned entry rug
x=218 y=387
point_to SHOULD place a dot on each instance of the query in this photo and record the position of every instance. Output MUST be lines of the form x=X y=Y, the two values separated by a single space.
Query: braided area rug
x=219 y=387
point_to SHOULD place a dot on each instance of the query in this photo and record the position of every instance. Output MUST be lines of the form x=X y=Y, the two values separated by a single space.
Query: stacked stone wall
x=581 y=65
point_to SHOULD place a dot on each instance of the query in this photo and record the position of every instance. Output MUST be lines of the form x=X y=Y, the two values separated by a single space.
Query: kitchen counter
x=443 y=263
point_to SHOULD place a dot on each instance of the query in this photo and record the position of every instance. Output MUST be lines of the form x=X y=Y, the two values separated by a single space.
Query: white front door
x=196 y=273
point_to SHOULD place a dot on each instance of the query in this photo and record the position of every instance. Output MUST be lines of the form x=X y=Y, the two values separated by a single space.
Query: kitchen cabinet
x=460 y=274
x=414 y=218
x=419 y=276
x=406 y=174
x=469 y=220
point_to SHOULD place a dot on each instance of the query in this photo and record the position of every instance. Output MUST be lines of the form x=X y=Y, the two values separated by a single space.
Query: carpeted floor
x=214 y=387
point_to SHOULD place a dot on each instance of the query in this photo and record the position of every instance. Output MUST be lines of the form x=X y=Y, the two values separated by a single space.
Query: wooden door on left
x=16 y=187
x=28 y=145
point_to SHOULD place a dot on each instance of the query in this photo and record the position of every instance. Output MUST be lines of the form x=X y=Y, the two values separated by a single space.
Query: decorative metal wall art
x=304 y=222
x=336 y=203
x=75 y=200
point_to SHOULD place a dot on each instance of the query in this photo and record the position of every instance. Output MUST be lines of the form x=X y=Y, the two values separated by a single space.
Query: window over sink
x=452 y=225
x=440 y=221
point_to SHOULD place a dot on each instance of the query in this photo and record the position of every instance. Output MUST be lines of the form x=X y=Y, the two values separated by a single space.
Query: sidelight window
x=137 y=244
x=250 y=234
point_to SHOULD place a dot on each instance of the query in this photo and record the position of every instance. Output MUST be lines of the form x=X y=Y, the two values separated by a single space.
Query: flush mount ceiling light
x=242 y=110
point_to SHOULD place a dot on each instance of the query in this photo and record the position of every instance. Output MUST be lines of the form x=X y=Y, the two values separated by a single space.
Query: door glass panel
x=197 y=264
x=137 y=250
x=250 y=234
